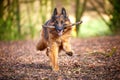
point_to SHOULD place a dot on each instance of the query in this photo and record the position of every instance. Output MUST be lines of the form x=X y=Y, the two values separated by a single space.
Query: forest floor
x=94 y=59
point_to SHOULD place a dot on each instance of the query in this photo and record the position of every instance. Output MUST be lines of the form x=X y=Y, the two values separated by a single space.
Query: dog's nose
x=60 y=29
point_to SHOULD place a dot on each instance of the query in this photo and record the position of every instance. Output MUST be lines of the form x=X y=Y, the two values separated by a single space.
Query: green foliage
x=8 y=31
x=8 y=21
x=94 y=27
x=23 y=19
x=115 y=20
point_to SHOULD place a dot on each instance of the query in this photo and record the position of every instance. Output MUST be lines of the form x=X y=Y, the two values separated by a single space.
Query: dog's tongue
x=60 y=32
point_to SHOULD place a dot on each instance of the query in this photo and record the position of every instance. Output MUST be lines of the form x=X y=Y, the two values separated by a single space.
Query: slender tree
x=1 y=19
x=80 y=8
x=18 y=17
x=115 y=20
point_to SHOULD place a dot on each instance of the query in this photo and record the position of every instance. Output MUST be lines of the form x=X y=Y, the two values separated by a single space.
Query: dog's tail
x=41 y=45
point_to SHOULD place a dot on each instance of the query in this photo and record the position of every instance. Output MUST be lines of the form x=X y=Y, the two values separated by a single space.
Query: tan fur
x=54 y=44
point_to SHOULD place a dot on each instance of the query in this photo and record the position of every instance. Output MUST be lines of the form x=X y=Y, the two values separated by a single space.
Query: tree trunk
x=115 y=20
x=18 y=17
x=80 y=8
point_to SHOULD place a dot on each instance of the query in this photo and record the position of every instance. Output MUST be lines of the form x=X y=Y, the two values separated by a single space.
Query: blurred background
x=22 y=19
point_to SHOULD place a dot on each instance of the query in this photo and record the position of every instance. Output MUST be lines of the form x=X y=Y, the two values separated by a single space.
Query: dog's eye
x=65 y=28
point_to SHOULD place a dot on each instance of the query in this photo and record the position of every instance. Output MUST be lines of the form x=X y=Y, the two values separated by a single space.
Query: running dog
x=55 y=36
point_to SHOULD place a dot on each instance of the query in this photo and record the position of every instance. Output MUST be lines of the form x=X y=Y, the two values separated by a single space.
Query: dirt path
x=94 y=59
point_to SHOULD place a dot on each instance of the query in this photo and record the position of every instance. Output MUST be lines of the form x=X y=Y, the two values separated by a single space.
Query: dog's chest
x=59 y=41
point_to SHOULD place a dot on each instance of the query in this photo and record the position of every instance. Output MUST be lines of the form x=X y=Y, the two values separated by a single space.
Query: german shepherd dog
x=55 y=36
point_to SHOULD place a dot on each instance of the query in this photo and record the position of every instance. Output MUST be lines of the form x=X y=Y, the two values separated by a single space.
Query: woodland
x=96 y=42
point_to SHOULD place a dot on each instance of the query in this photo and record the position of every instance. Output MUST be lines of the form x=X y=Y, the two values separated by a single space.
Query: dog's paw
x=56 y=69
x=69 y=53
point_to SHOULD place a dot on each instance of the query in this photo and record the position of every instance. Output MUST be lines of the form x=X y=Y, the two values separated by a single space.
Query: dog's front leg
x=53 y=54
x=67 y=48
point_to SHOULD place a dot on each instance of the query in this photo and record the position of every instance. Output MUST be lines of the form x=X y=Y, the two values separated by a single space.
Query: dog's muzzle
x=59 y=30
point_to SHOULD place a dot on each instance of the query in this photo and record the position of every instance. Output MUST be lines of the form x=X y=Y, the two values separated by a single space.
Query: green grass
x=93 y=28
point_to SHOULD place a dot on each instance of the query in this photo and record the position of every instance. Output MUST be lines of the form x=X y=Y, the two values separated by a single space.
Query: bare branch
x=99 y=13
x=48 y=26
x=79 y=22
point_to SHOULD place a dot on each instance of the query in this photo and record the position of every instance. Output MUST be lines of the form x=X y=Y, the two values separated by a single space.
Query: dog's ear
x=63 y=12
x=54 y=12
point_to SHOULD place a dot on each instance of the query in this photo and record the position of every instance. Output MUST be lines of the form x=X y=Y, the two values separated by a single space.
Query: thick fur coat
x=57 y=38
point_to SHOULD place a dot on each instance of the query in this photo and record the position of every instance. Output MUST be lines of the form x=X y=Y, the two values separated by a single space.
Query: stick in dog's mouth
x=79 y=22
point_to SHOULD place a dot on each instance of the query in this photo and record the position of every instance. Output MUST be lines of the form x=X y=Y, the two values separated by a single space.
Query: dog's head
x=59 y=20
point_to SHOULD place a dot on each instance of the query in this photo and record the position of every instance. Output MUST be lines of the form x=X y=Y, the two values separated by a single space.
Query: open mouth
x=60 y=32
